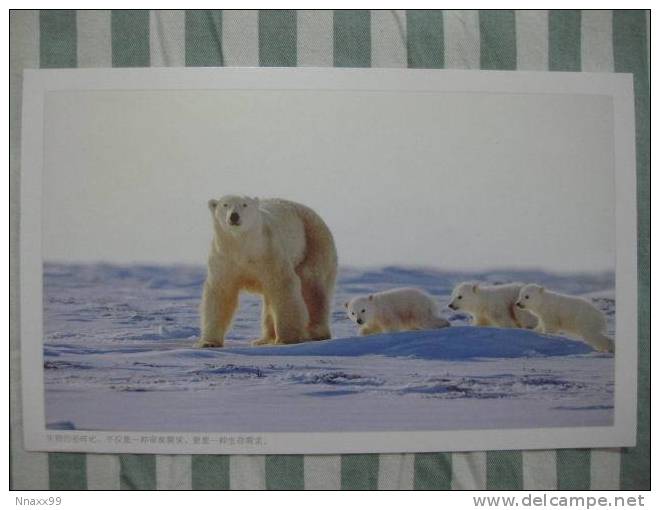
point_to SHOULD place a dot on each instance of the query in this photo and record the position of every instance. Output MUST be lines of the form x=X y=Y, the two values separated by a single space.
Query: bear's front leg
x=267 y=325
x=480 y=320
x=369 y=330
x=219 y=302
x=526 y=319
x=289 y=311
x=540 y=327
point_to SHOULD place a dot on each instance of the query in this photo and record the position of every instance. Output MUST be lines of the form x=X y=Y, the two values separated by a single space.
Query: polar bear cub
x=395 y=310
x=492 y=306
x=569 y=314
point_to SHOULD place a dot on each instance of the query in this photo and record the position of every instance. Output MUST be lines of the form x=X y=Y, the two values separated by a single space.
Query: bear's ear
x=346 y=304
x=371 y=297
x=212 y=204
x=475 y=288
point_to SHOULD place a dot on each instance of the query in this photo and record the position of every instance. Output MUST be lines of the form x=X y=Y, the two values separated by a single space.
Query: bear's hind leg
x=317 y=276
x=437 y=323
x=317 y=300
x=318 y=272
x=504 y=317
x=600 y=342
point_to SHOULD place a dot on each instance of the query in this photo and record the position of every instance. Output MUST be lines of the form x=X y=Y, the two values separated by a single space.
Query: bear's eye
x=353 y=314
x=224 y=205
x=244 y=205
x=526 y=297
x=363 y=311
x=460 y=297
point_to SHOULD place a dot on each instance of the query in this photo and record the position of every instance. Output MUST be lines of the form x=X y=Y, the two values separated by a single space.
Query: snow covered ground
x=118 y=355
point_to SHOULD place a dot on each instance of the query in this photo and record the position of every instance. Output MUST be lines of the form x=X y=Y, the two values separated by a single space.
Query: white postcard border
x=37 y=83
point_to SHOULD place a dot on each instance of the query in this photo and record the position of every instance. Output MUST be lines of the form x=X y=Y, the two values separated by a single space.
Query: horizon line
x=445 y=269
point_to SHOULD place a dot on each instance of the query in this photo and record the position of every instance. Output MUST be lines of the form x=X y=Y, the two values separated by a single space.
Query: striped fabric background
x=601 y=41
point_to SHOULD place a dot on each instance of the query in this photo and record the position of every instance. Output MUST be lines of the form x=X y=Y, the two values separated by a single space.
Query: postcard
x=327 y=260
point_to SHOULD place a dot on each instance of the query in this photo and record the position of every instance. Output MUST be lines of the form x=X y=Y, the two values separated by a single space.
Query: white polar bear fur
x=492 y=306
x=569 y=314
x=395 y=310
x=279 y=249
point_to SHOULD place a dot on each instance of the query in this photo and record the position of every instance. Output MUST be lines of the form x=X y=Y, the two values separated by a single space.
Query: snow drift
x=118 y=355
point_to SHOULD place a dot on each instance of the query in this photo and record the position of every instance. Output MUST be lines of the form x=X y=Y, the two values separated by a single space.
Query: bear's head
x=464 y=297
x=530 y=296
x=234 y=213
x=360 y=309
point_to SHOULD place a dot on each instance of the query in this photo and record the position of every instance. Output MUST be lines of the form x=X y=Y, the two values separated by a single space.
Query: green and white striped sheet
x=596 y=41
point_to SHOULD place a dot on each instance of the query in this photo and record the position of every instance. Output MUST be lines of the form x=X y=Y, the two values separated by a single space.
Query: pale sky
x=448 y=180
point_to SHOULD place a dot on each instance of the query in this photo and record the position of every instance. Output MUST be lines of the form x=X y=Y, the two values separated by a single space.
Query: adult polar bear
x=280 y=249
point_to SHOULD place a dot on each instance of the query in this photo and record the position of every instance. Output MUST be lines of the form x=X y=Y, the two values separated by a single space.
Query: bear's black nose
x=452 y=306
x=519 y=305
x=359 y=321
x=233 y=218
